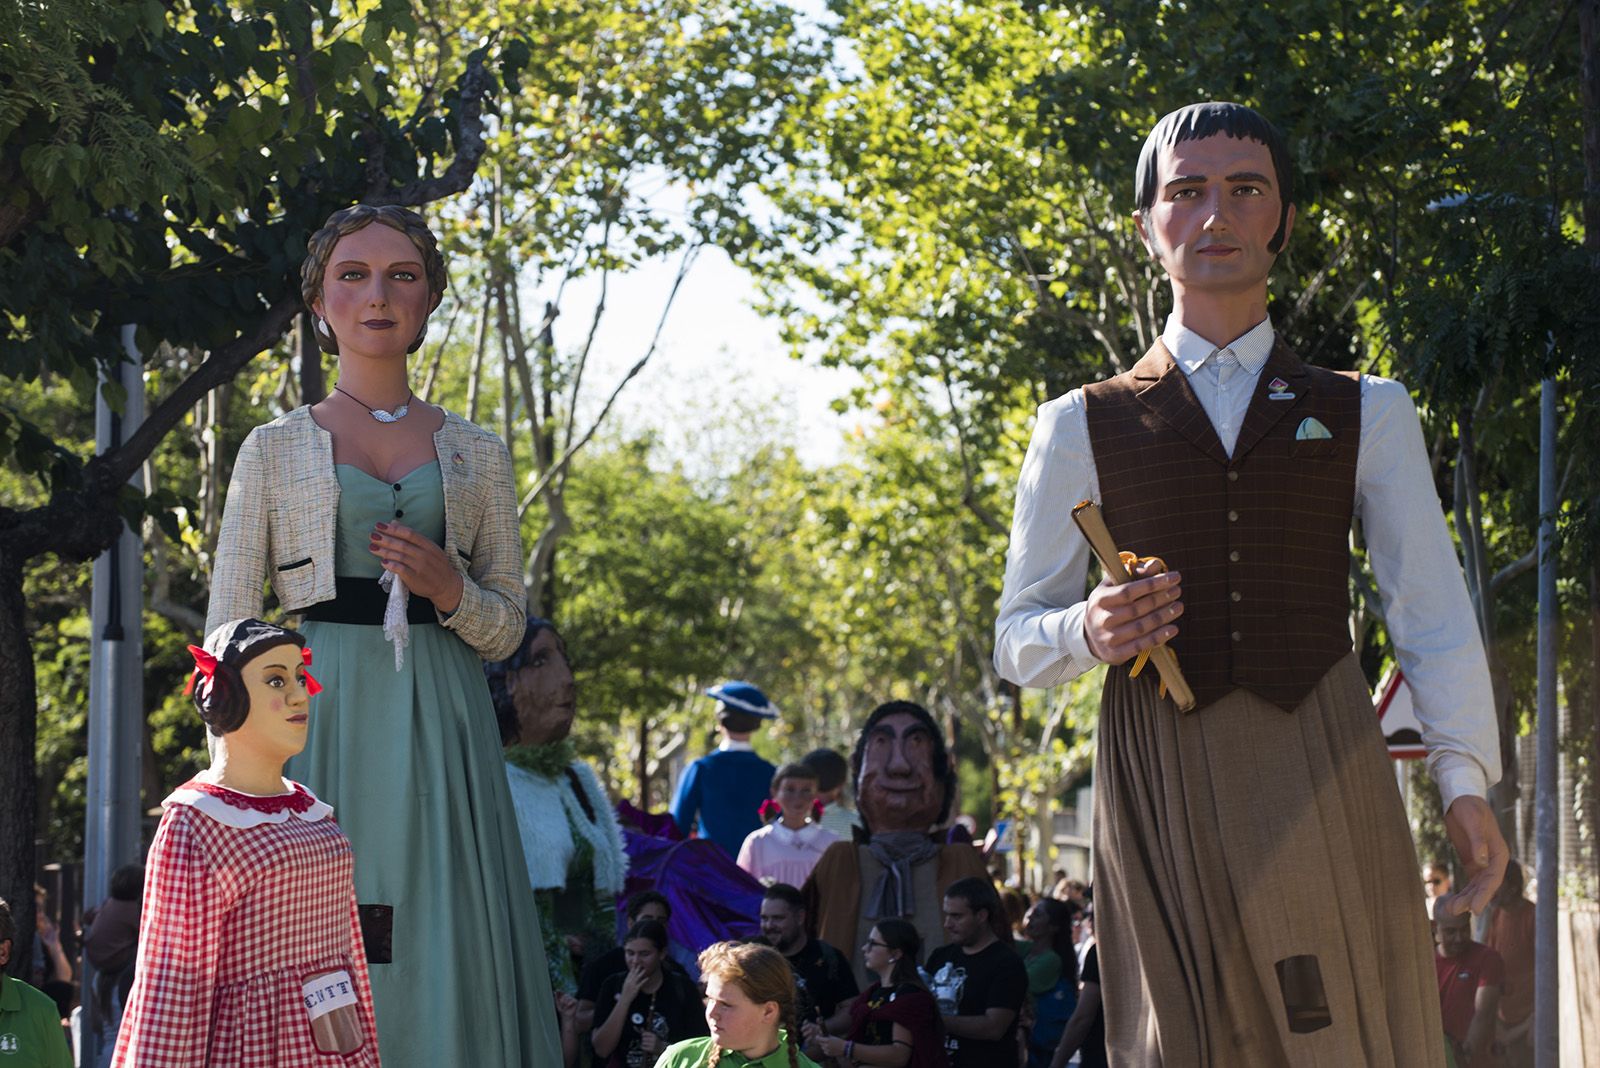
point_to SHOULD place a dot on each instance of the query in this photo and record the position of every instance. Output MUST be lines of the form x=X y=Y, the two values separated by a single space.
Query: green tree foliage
x=163 y=165
x=958 y=229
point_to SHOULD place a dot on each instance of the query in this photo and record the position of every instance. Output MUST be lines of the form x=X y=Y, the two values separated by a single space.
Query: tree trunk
x=644 y=762
x=480 y=345
x=313 y=387
x=1589 y=94
x=1593 y=815
x=17 y=773
x=493 y=278
x=1504 y=794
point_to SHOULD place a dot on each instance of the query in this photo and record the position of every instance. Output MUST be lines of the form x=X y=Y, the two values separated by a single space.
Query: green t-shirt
x=696 y=1053
x=30 y=1028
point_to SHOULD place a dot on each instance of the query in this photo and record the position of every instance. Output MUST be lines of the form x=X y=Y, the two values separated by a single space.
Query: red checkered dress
x=245 y=898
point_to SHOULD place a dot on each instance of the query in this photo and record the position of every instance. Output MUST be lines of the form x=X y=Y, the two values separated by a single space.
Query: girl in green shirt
x=750 y=1008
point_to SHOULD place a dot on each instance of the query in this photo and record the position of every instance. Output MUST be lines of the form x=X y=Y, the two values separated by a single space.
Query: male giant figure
x=1255 y=892
x=899 y=865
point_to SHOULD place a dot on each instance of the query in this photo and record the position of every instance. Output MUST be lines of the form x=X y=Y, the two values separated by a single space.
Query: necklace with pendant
x=380 y=414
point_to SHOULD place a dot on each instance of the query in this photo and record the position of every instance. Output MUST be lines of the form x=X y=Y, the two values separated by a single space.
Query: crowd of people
x=462 y=907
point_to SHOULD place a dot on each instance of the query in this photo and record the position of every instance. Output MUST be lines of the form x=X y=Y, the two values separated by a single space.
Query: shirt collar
x=778 y=1058
x=729 y=745
x=1190 y=351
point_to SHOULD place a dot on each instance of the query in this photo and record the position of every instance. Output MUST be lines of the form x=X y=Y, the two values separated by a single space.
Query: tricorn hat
x=743 y=697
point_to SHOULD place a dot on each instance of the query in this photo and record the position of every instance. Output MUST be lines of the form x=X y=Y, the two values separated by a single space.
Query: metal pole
x=116 y=690
x=1546 y=976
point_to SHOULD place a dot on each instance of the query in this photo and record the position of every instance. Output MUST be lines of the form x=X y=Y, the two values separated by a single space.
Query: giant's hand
x=1476 y=836
x=1123 y=621
x=420 y=562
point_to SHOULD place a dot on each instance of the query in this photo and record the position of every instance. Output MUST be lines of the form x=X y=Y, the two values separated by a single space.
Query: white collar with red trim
x=235 y=808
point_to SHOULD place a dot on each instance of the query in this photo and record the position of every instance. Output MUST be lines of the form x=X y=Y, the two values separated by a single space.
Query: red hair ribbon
x=313 y=687
x=816 y=808
x=204 y=664
x=769 y=809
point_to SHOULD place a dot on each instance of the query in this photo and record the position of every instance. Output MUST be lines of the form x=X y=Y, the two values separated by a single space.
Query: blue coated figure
x=721 y=793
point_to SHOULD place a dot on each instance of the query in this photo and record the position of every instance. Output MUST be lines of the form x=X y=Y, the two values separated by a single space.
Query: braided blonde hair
x=763 y=975
x=320 y=246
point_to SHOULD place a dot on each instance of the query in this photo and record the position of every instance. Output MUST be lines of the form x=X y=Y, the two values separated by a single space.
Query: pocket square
x=1312 y=430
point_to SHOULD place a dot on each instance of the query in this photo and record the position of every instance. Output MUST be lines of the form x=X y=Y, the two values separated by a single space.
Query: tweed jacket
x=283 y=502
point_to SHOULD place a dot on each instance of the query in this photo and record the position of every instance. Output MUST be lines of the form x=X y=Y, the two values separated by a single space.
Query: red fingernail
x=383 y=526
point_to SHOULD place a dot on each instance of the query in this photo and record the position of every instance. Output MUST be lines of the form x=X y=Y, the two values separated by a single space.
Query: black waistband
x=362 y=601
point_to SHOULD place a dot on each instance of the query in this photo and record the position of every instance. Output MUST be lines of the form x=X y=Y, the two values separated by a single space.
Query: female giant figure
x=326 y=501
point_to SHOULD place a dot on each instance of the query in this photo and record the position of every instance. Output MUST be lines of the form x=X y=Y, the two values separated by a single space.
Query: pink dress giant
x=247 y=900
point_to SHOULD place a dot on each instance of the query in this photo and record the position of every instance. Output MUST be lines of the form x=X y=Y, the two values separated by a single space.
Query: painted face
x=897 y=790
x=782 y=926
x=1216 y=209
x=962 y=925
x=276 y=725
x=375 y=294
x=794 y=796
x=736 y=1022
x=641 y=953
x=542 y=691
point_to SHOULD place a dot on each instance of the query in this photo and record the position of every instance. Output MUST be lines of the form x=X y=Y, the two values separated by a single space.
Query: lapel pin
x=458 y=459
x=1312 y=430
x=1280 y=390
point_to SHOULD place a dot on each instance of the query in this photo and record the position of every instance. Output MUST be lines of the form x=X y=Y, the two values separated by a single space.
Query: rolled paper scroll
x=1093 y=524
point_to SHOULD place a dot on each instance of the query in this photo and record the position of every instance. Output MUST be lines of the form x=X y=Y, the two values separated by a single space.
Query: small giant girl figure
x=250 y=951
x=392 y=525
x=788 y=847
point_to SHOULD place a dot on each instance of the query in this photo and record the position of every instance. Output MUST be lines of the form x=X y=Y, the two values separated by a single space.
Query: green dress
x=410 y=761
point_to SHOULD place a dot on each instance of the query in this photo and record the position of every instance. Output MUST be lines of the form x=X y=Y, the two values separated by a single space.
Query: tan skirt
x=1257 y=897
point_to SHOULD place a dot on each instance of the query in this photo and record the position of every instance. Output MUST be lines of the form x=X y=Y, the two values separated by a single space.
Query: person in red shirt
x=1511 y=935
x=1471 y=976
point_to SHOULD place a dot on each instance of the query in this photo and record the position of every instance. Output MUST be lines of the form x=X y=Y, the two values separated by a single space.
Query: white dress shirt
x=1039 y=639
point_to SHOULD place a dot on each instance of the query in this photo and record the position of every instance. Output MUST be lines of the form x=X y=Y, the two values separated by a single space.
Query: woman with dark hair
x=750 y=1007
x=895 y=1021
x=647 y=1007
x=250 y=950
x=1051 y=959
x=391 y=524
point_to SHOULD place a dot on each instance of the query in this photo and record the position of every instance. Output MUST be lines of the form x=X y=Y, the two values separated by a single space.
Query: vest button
x=1233 y=517
x=1238 y=637
x=1233 y=476
x=1234 y=556
x=1237 y=596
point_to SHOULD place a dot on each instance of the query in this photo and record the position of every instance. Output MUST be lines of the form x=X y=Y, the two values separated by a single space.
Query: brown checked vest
x=1262 y=538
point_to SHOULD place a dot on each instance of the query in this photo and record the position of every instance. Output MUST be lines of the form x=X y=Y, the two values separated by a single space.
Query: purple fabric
x=658 y=825
x=712 y=898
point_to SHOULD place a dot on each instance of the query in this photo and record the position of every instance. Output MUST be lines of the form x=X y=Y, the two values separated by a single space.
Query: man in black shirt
x=978 y=979
x=822 y=976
